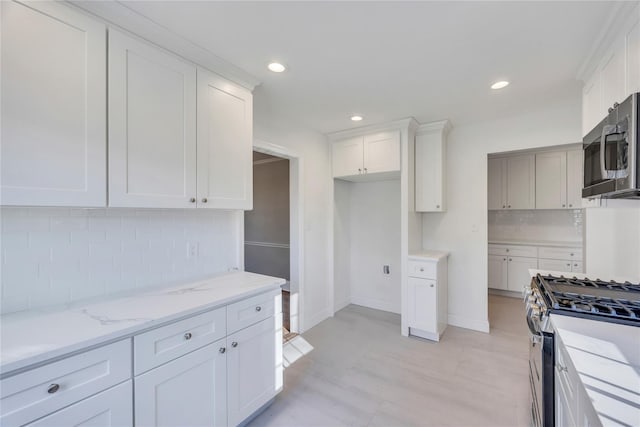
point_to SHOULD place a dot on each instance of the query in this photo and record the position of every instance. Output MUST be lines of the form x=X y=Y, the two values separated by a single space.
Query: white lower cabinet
x=427 y=296
x=111 y=408
x=510 y=273
x=188 y=391
x=251 y=380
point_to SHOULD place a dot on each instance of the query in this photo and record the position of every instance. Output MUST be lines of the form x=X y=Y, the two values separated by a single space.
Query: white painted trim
x=443 y=126
x=267 y=161
x=268 y=244
x=415 y=332
x=341 y=304
x=376 y=304
x=313 y=320
x=465 y=322
x=296 y=224
x=118 y=15
x=402 y=124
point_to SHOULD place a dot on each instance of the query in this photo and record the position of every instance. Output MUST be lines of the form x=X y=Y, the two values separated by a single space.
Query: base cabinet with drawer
x=215 y=368
x=427 y=296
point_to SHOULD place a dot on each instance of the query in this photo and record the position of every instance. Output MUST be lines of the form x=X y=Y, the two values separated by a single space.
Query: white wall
x=558 y=225
x=342 y=243
x=612 y=236
x=58 y=255
x=462 y=230
x=375 y=241
x=314 y=151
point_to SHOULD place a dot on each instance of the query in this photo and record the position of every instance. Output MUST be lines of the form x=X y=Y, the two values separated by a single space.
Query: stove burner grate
x=597 y=305
x=594 y=284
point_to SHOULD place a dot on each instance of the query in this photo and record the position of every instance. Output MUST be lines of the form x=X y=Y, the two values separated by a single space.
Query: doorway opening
x=272 y=230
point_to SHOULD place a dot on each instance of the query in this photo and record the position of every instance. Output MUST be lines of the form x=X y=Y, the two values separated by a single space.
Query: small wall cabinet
x=511 y=182
x=54 y=119
x=427 y=296
x=559 y=179
x=367 y=157
x=431 y=160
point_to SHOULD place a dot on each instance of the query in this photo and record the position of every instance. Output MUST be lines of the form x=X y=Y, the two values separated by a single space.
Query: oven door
x=541 y=380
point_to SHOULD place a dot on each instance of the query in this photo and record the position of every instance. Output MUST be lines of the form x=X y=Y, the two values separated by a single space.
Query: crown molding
x=116 y=14
x=621 y=16
x=403 y=124
x=443 y=126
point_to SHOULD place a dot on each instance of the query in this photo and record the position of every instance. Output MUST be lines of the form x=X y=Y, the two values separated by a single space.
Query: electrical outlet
x=385 y=269
x=192 y=249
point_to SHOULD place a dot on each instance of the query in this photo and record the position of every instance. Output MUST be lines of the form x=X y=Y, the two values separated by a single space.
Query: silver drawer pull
x=188 y=336
x=234 y=344
x=562 y=368
x=431 y=285
x=421 y=269
x=258 y=308
x=53 y=388
x=222 y=350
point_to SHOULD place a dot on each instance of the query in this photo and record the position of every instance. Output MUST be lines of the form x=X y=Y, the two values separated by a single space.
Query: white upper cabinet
x=430 y=158
x=53 y=106
x=551 y=180
x=225 y=140
x=381 y=152
x=575 y=180
x=355 y=158
x=152 y=126
x=511 y=182
x=616 y=73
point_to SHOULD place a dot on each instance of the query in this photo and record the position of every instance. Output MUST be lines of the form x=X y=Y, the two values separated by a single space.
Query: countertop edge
x=428 y=255
x=539 y=243
x=29 y=362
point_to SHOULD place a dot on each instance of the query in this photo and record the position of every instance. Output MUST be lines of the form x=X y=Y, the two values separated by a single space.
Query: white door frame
x=296 y=230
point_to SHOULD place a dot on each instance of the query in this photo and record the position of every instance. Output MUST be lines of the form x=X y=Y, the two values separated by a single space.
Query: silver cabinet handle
x=234 y=344
x=192 y=200
x=359 y=170
x=204 y=200
x=421 y=269
x=365 y=170
x=258 y=308
x=222 y=350
x=504 y=259
x=503 y=206
x=506 y=250
x=563 y=205
x=188 y=336
x=431 y=285
x=510 y=259
x=53 y=388
x=571 y=254
x=570 y=205
x=437 y=206
x=509 y=206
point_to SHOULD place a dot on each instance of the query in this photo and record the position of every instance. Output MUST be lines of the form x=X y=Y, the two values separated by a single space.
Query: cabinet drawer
x=512 y=250
x=570 y=254
x=32 y=394
x=577 y=267
x=252 y=310
x=423 y=269
x=169 y=342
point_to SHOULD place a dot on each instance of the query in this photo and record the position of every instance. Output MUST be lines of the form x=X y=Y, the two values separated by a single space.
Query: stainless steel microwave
x=612 y=155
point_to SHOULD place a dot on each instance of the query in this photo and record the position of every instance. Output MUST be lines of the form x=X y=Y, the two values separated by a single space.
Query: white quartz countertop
x=432 y=255
x=607 y=359
x=31 y=337
x=536 y=243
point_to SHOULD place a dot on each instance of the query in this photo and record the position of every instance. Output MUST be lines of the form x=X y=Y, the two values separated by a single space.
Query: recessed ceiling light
x=276 y=67
x=356 y=118
x=500 y=84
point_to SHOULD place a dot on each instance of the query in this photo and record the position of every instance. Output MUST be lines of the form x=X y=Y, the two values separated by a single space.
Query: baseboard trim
x=467 y=323
x=375 y=304
x=503 y=293
x=340 y=305
x=316 y=318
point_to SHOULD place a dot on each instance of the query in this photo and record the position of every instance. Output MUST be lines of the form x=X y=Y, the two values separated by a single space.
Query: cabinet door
x=423 y=304
x=430 y=160
x=225 y=140
x=575 y=180
x=382 y=152
x=564 y=410
x=347 y=157
x=613 y=77
x=633 y=60
x=53 y=132
x=188 y=391
x=577 y=267
x=592 y=103
x=111 y=408
x=518 y=272
x=254 y=367
x=152 y=126
x=554 y=265
x=521 y=182
x=498 y=272
x=496 y=184
x=551 y=180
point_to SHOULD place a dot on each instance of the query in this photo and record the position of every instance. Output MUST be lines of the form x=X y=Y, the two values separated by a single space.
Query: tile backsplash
x=52 y=256
x=536 y=225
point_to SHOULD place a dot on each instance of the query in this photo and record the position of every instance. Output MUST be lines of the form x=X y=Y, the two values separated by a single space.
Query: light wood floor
x=362 y=372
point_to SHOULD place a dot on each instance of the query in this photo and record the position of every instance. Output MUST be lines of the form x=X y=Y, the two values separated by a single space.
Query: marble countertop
x=429 y=254
x=536 y=243
x=607 y=359
x=35 y=336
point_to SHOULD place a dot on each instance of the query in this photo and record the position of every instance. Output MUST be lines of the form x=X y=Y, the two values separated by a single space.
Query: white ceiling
x=390 y=60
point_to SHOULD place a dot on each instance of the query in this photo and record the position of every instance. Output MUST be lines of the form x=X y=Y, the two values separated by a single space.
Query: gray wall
x=266 y=227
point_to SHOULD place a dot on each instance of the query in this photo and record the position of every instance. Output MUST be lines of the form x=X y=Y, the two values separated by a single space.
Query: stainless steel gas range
x=617 y=302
